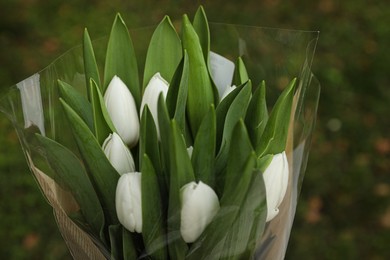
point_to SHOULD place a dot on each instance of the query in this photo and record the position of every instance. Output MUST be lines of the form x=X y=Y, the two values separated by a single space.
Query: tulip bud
x=199 y=205
x=118 y=154
x=276 y=180
x=122 y=110
x=156 y=85
x=128 y=201
x=222 y=71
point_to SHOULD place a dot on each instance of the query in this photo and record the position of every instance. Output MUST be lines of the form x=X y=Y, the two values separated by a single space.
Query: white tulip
x=276 y=180
x=222 y=71
x=123 y=111
x=199 y=205
x=128 y=201
x=156 y=85
x=118 y=154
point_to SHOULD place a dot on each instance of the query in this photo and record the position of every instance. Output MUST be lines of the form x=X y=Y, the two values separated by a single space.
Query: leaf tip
x=292 y=85
x=119 y=20
x=200 y=11
x=186 y=20
x=166 y=18
x=118 y=16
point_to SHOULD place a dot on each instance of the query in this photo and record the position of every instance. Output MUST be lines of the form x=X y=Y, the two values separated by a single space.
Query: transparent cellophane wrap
x=273 y=55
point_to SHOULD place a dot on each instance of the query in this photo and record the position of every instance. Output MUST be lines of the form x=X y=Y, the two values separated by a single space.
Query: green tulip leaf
x=201 y=26
x=239 y=151
x=164 y=52
x=236 y=111
x=257 y=115
x=90 y=65
x=148 y=138
x=102 y=174
x=165 y=136
x=274 y=138
x=78 y=102
x=249 y=225
x=153 y=230
x=177 y=93
x=121 y=60
x=204 y=149
x=101 y=129
x=210 y=244
x=221 y=111
x=199 y=80
x=102 y=122
x=69 y=171
x=240 y=73
x=180 y=163
x=149 y=145
x=181 y=173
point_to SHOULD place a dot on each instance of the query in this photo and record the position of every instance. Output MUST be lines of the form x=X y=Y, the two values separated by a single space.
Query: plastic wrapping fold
x=274 y=55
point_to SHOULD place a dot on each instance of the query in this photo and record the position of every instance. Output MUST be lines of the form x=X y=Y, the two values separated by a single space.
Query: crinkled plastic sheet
x=275 y=55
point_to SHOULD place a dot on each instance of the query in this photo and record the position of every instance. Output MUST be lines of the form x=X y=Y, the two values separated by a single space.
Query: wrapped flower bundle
x=187 y=163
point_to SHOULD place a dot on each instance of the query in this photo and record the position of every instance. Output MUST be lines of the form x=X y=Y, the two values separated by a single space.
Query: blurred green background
x=344 y=207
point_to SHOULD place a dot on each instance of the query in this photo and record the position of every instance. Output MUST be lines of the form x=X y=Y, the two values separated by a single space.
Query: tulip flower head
x=276 y=180
x=199 y=205
x=123 y=111
x=118 y=154
x=222 y=71
x=128 y=201
x=156 y=85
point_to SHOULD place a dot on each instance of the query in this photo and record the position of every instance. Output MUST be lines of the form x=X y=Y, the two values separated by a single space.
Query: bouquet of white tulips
x=187 y=163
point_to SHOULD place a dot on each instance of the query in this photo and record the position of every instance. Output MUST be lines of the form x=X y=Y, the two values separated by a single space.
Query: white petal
x=128 y=201
x=222 y=71
x=156 y=85
x=276 y=181
x=199 y=206
x=122 y=110
x=118 y=154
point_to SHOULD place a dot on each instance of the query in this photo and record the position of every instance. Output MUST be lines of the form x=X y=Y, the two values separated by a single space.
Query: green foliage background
x=344 y=208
